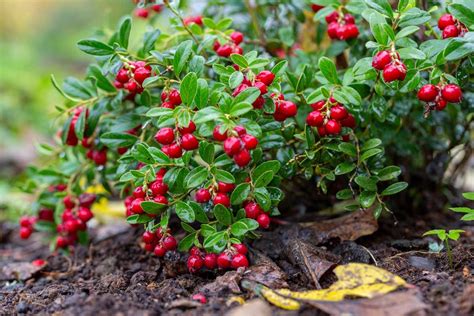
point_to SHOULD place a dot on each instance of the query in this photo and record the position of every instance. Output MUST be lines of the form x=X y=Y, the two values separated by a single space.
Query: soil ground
x=115 y=276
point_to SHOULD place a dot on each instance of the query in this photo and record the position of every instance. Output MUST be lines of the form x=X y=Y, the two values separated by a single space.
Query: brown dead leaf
x=263 y=270
x=393 y=304
x=19 y=271
x=313 y=261
x=224 y=283
x=254 y=307
x=466 y=303
x=183 y=303
x=348 y=227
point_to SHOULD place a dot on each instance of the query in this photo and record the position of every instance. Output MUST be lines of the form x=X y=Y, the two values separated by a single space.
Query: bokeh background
x=38 y=38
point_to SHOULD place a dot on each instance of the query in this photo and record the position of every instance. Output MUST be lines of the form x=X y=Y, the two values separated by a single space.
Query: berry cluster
x=283 y=108
x=145 y=12
x=131 y=76
x=159 y=242
x=170 y=99
x=451 y=27
x=329 y=116
x=254 y=211
x=173 y=147
x=27 y=222
x=233 y=258
x=74 y=219
x=437 y=97
x=193 y=20
x=219 y=194
x=262 y=80
x=231 y=47
x=237 y=144
x=389 y=61
x=341 y=26
x=155 y=191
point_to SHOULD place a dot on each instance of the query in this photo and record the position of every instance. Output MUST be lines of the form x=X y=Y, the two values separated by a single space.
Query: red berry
x=165 y=136
x=238 y=50
x=195 y=251
x=84 y=214
x=71 y=226
x=132 y=86
x=189 y=142
x=451 y=93
x=318 y=106
x=223 y=187
x=167 y=105
x=25 y=221
x=258 y=103
x=266 y=77
x=61 y=242
x=232 y=145
x=221 y=198
x=149 y=247
x=252 y=210
x=352 y=31
x=381 y=59
x=240 y=130
x=46 y=215
x=441 y=104
x=157 y=8
x=428 y=93
x=349 y=19
x=218 y=135
x=239 y=89
x=38 y=262
x=122 y=76
x=333 y=127
x=333 y=29
x=450 y=31
x=164 y=96
x=240 y=248
x=169 y=243
x=349 y=121
x=239 y=261
x=242 y=158
x=174 y=97
x=139 y=192
x=250 y=142
x=195 y=263
x=187 y=130
x=149 y=237
x=161 y=199
x=136 y=206
x=203 y=196
x=224 y=50
x=288 y=108
x=332 y=17
x=261 y=86
x=200 y=298
x=141 y=13
x=158 y=187
x=315 y=118
x=237 y=37
x=140 y=74
x=159 y=251
x=210 y=260
x=25 y=232
x=174 y=151
x=68 y=202
x=263 y=220
x=338 y=112
x=100 y=157
x=223 y=261
x=445 y=20
x=316 y=7
x=391 y=73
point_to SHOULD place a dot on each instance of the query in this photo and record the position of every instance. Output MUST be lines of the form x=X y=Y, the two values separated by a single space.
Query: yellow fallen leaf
x=354 y=279
x=104 y=208
x=235 y=299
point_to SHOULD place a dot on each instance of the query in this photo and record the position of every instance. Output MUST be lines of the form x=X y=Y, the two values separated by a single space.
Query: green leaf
x=462 y=12
x=280 y=67
x=366 y=183
x=344 y=167
x=187 y=242
x=468 y=196
x=202 y=93
x=407 y=31
x=238 y=229
x=80 y=125
x=371 y=143
x=124 y=32
x=188 y=88
x=138 y=219
x=116 y=140
x=199 y=213
x=196 y=177
x=240 y=193
x=441 y=233
x=94 y=47
x=454 y=234
x=207 y=114
x=240 y=109
x=264 y=179
x=142 y=154
x=389 y=173
x=158 y=112
x=461 y=209
x=263 y=198
x=224 y=176
x=395 y=188
x=239 y=60
x=344 y=194
x=58 y=88
x=468 y=217
x=184 y=212
x=153 y=207
x=381 y=6
x=249 y=95
x=328 y=69
x=367 y=198
x=101 y=81
x=206 y=151
x=181 y=57
x=414 y=16
x=235 y=79
x=411 y=53
x=222 y=214
x=348 y=149
x=369 y=153
x=271 y=165
x=149 y=41
x=213 y=239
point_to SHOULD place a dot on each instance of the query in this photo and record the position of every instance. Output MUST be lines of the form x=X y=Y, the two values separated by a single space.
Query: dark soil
x=115 y=276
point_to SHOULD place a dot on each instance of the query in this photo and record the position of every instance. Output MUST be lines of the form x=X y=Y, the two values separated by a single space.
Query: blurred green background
x=38 y=38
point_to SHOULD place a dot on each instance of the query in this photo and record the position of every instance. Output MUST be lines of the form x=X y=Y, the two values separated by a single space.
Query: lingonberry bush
x=197 y=128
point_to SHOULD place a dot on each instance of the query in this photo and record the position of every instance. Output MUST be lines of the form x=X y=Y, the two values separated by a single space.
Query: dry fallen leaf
x=354 y=279
x=19 y=271
x=229 y=282
x=263 y=270
x=254 y=307
x=348 y=227
x=313 y=261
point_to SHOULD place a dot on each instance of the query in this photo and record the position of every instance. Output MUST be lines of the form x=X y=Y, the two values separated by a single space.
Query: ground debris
x=19 y=271
x=254 y=307
x=263 y=270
